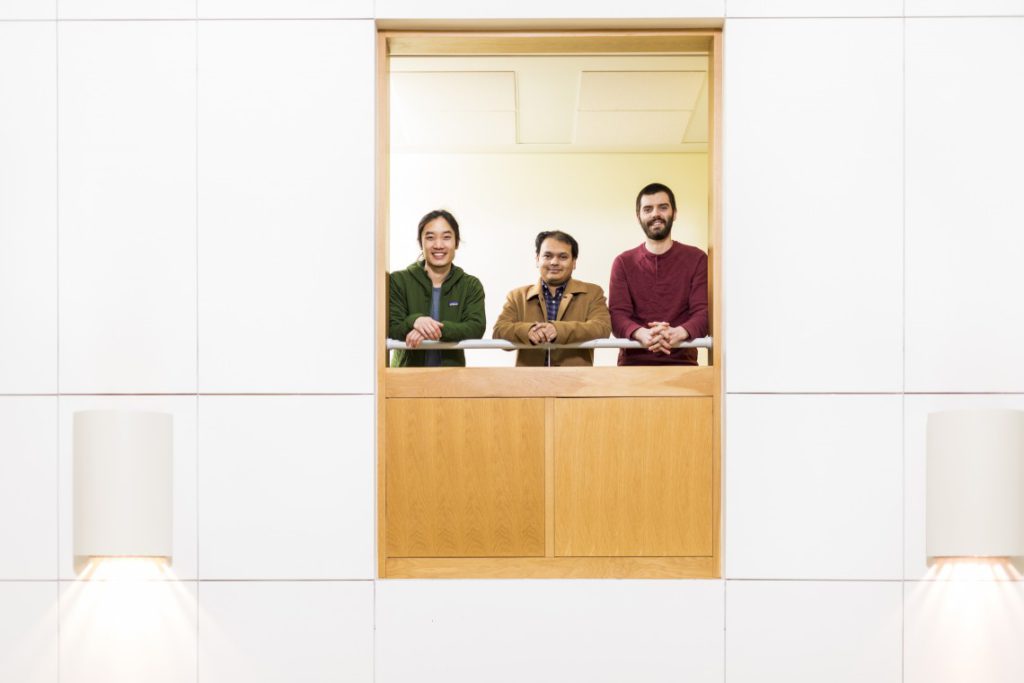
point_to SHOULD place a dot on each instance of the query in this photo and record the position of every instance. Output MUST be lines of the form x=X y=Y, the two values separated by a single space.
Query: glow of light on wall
x=972 y=608
x=127 y=619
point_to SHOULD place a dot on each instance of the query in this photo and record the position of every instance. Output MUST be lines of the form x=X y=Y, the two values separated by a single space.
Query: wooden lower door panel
x=464 y=477
x=633 y=477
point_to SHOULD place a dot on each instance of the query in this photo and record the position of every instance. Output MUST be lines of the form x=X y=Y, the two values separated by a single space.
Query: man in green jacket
x=433 y=299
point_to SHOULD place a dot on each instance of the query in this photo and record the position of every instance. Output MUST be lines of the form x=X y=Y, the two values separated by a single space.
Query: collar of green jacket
x=572 y=287
x=418 y=271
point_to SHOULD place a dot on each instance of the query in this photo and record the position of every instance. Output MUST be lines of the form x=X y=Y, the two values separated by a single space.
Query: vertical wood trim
x=718 y=387
x=549 y=477
x=380 y=298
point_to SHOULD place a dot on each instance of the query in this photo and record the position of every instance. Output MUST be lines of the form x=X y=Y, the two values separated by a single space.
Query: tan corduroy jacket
x=582 y=316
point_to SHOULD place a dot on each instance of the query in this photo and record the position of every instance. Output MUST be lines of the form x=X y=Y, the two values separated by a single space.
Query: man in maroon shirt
x=658 y=294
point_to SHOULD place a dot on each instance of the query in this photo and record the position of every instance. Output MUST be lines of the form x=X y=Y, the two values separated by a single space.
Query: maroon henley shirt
x=670 y=287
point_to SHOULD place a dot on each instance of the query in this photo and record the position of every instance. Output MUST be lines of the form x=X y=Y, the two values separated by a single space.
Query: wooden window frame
x=528 y=382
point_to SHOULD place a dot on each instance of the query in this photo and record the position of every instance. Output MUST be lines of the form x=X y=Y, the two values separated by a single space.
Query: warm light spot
x=127 y=569
x=128 y=619
x=967 y=613
x=972 y=569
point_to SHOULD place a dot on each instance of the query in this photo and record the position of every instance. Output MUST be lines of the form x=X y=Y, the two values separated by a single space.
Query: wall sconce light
x=123 y=480
x=975 y=484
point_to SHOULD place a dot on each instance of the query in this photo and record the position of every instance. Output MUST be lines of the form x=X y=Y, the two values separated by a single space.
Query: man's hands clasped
x=542 y=333
x=660 y=337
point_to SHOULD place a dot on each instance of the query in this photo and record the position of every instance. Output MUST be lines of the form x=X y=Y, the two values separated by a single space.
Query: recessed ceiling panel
x=454 y=129
x=625 y=128
x=455 y=90
x=639 y=90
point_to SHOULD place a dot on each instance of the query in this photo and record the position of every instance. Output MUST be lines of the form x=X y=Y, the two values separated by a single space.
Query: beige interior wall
x=503 y=200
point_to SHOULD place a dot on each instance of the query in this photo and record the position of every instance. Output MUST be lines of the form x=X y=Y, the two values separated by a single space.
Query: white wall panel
x=127 y=631
x=546 y=9
x=28 y=632
x=301 y=632
x=964 y=8
x=959 y=631
x=183 y=412
x=807 y=632
x=28 y=488
x=285 y=9
x=965 y=208
x=286 y=487
x=286 y=201
x=549 y=631
x=815 y=8
x=814 y=487
x=127 y=207
x=126 y=9
x=915 y=452
x=813 y=205
x=28 y=9
x=28 y=205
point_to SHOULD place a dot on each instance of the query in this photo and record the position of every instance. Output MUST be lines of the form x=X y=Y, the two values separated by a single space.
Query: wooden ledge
x=548 y=382
x=552 y=568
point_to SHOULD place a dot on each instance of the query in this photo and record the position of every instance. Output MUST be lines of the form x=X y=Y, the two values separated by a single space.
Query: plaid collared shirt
x=552 y=302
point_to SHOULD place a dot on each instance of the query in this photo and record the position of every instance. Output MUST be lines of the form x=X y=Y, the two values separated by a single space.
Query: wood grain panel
x=465 y=477
x=554 y=568
x=633 y=477
x=509 y=382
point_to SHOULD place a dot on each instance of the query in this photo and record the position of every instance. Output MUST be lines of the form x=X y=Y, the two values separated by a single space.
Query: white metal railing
x=394 y=345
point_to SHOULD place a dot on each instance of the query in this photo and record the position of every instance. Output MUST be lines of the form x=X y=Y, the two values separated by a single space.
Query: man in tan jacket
x=556 y=310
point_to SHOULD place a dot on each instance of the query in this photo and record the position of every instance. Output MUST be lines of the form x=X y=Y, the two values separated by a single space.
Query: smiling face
x=555 y=262
x=656 y=215
x=439 y=243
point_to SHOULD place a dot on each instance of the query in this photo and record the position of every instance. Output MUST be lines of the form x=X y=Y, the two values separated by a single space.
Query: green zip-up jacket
x=462 y=311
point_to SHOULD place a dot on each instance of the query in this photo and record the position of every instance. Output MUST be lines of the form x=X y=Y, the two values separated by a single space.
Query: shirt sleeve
x=620 y=302
x=696 y=323
x=398 y=309
x=509 y=325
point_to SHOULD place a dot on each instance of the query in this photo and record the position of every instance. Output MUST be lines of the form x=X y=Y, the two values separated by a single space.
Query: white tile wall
x=127 y=631
x=814 y=487
x=28 y=492
x=126 y=9
x=28 y=9
x=301 y=632
x=127 y=207
x=813 y=219
x=284 y=9
x=286 y=188
x=546 y=9
x=28 y=632
x=28 y=209
x=813 y=205
x=915 y=451
x=183 y=411
x=965 y=324
x=815 y=8
x=549 y=631
x=807 y=632
x=286 y=487
x=963 y=8
x=964 y=631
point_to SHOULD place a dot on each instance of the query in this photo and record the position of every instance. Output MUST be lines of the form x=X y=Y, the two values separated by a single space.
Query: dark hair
x=433 y=215
x=563 y=237
x=655 y=188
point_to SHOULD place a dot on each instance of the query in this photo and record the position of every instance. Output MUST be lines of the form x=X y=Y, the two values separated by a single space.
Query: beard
x=657 y=233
